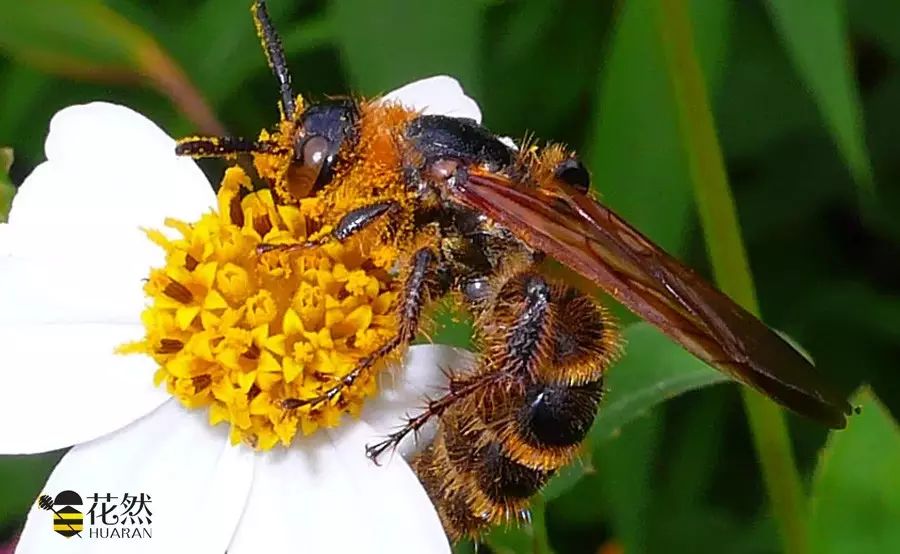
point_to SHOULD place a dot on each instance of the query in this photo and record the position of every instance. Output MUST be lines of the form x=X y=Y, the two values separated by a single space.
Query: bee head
x=322 y=131
x=573 y=173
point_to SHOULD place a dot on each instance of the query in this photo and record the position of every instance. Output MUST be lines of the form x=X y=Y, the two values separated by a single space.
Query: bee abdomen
x=471 y=479
x=546 y=348
x=447 y=491
x=557 y=416
x=480 y=456
x=486 y=463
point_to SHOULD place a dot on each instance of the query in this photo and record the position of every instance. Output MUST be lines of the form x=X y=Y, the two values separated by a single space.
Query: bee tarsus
x=360 y=218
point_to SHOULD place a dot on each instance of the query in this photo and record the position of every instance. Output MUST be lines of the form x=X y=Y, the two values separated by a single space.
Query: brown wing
x=601 y=246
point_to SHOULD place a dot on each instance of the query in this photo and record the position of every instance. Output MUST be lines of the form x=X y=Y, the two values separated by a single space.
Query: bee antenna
x=275 y=56
x=219 y=147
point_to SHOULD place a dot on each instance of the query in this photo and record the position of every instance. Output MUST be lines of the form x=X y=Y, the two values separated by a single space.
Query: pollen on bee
x=239 y=332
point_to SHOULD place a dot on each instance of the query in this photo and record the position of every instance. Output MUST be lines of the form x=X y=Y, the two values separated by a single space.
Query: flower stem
x=729 y=261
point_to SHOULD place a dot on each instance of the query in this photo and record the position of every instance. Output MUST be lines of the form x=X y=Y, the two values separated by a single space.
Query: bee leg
x=459 y=388
x=415 y=295
x=358 y=219
x=522 y=312
x=353 y=222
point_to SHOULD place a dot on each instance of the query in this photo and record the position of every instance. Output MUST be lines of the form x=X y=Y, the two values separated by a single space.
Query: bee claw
x=374 y=452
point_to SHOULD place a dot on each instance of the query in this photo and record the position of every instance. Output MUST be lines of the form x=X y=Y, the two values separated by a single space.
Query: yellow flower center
x=239 y=332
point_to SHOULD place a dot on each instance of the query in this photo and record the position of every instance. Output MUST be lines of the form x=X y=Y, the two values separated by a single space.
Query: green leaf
x=86 y=39
x=653 y=370
x=636 y=150
x=6 y=188
x=625 y=470
x=514 y=539
x=816 y=37
x=22 y=478
x=568 y=477
x=452 y=326
x=693 y=457
x=387 y=44
x=855 y=503
x=24 y=91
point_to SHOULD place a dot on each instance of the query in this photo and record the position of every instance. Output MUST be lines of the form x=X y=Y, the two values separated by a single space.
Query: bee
x=479 y=220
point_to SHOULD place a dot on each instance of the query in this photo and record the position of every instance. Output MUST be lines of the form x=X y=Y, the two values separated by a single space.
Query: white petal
x=324 y=495
x=63 y=384
x=439 y=95
x=422 y=375
x=109 y=164
x=86 y=274
x=508 y=141
x=198 y=485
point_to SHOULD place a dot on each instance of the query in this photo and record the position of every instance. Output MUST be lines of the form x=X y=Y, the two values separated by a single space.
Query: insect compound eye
x=573 y=173
x=323 y=130
x=313 y=152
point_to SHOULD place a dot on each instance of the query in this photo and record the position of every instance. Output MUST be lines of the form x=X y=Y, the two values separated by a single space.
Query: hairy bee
x=477 y=218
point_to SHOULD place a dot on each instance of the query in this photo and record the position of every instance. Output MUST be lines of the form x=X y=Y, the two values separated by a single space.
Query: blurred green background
x=806 y=103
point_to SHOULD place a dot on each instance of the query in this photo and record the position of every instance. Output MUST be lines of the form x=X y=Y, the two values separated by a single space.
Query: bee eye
x=313 y=151
x=573 y=173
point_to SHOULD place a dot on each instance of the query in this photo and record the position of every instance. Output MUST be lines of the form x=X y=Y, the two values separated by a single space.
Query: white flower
x=72 y=261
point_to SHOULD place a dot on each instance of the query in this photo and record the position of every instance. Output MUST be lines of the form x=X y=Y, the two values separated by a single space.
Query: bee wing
x=595 y=242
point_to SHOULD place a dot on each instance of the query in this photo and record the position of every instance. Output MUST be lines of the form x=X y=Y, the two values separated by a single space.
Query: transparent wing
x=596 y=243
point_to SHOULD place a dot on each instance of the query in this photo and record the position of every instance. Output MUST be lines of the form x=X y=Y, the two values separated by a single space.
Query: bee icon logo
x=67 y=519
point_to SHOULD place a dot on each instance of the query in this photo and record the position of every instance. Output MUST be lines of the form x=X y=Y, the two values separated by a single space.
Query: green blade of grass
x=729 y=260
x=816 y=37
x=85 y=39
x=634 y=147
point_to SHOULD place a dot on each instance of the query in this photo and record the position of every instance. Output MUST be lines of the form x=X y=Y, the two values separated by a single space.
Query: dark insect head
x=573 y=173
x=322 y=130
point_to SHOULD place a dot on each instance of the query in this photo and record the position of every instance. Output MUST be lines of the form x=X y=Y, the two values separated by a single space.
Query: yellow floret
x=238 y=332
